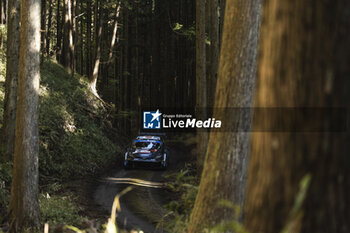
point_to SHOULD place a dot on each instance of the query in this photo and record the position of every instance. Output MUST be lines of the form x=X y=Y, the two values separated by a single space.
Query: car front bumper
x=144 y=160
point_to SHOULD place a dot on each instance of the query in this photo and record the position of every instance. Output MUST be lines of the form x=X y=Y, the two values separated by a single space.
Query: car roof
x=156 y=138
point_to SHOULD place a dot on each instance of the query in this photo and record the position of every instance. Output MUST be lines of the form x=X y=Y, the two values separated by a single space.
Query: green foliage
x=72 y=126
x=58 y=209
x=184 y=185
x=296 y=214
x=178 y=26
x=189 y=32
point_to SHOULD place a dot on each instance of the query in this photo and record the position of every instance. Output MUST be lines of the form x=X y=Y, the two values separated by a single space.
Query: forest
x=264 y=85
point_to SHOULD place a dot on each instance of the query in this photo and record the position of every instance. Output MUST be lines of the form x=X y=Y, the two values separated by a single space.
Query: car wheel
x=126 y=164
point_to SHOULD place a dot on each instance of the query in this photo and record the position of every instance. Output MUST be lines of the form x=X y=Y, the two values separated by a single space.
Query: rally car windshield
x=146 y=145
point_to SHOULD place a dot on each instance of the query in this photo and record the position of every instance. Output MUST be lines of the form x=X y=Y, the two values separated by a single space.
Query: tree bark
x=114 y=37
x=68 y=46
x=48 y=32
x=222 y=16
x=213 y=50
x=299 y=69
x=126 y=71
x=224 y=173
x=24 y=207
x=77 y=36
x=81 y=36
x=11 y=82
x=59 y=32
x=201 y=82
x=72 y=36
x=94 y=76
x=43 y=30
x=3 y=12
x=88 y=38
x=2 y=20
x=155 y=60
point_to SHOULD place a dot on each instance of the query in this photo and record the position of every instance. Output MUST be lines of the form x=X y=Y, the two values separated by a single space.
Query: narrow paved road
x=142 y=207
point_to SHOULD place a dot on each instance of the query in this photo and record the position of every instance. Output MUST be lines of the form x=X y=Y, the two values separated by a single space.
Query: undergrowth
x=58 y=209
x=73 y=126
x=76 y=139
x=184 y=185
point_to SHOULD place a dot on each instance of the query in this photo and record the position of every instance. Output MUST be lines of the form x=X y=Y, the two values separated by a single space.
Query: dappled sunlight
x=136 y=182
x=44 y=91
x=71 y=132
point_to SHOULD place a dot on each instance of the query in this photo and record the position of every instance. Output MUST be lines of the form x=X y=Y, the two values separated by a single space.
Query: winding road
x=142 y=207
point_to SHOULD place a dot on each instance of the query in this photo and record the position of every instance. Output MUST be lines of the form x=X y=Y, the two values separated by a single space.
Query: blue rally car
x=146 y=149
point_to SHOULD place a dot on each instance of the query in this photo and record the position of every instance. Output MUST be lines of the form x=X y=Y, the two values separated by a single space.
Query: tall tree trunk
x=43 y=29
x=94 y=76
x=2 y=20
x=221 y=20
x=10 y=103
x=81 y=36
x=3 y=12
x=126 y=69
x=121 y=69
x=77 y=35
x=24 y=207
x=155 y=81
x=113 y=40
x=136 y=75
x=201 y=82
x=48 y=32
x=213 y=50
x=224 y=173
x=68 y=47
x=298 y=69
x=114 y=35
x=88 y=38
x=59 y=32
x=126 y=62
x=72 y=35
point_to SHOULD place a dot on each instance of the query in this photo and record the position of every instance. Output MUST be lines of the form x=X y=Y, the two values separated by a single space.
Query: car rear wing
x=163 y=135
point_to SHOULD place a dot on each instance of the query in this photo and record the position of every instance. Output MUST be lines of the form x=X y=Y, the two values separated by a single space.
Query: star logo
x=151 y=120
x=156 y=115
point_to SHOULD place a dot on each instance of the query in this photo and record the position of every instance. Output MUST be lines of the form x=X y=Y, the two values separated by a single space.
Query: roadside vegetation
x=77 y=139
x=184 y=188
